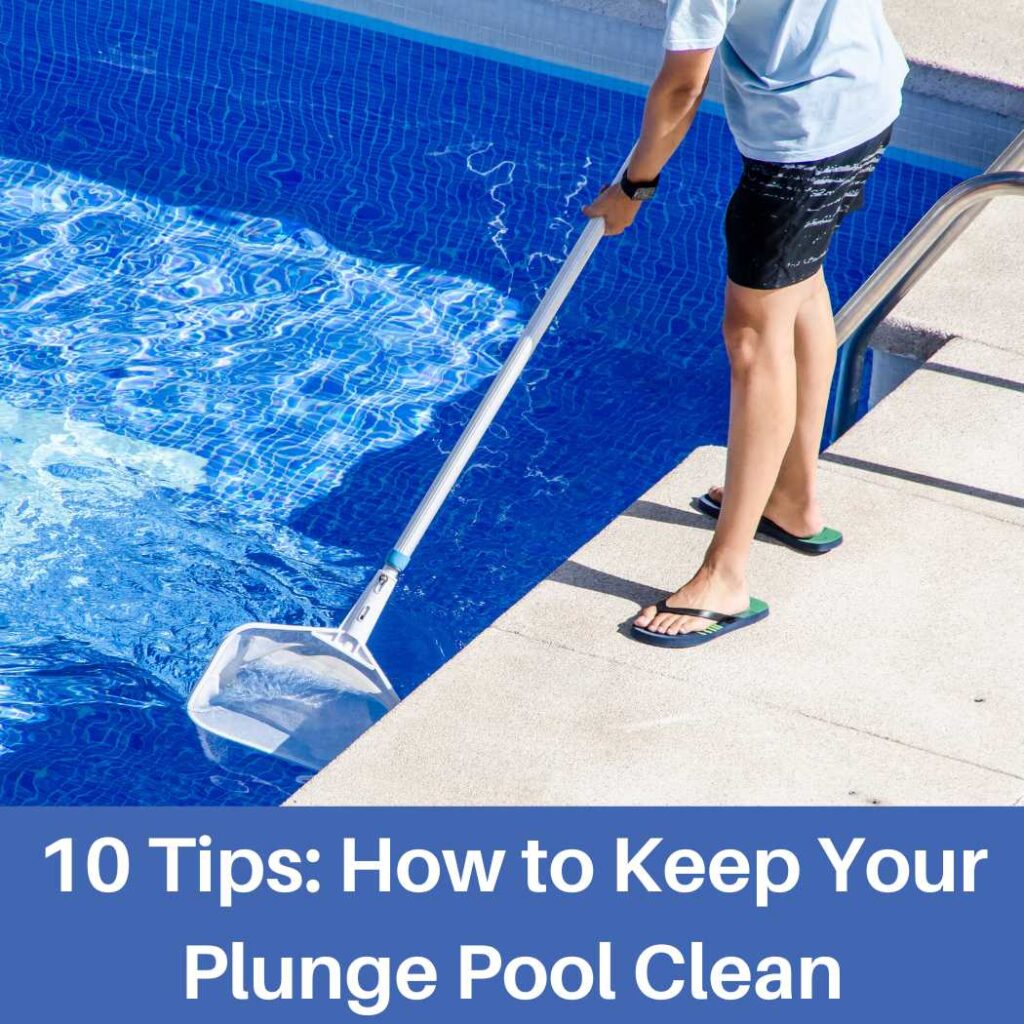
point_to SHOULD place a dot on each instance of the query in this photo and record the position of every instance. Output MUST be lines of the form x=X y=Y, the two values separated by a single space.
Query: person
x=812 y=88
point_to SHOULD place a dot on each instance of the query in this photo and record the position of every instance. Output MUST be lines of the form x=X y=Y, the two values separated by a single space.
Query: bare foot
x=708 y=591
x=800 y=518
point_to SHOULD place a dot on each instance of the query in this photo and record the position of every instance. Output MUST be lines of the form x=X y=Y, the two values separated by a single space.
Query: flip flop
x=819 y=544
x=720 y=625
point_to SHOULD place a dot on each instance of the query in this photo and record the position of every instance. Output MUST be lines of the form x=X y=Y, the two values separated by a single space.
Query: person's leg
x=794 y=501
x=759 y=329
x=793 y=504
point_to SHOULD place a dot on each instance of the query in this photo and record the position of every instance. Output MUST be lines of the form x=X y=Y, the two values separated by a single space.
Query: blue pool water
x=255 y=270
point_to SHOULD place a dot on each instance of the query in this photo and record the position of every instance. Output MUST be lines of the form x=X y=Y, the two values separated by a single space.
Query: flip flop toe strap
x=697 y=613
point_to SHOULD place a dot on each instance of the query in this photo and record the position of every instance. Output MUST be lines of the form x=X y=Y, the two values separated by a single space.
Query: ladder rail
x=944 y=223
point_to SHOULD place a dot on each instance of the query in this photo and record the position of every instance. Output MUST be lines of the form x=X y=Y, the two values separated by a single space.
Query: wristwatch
x=639 y=190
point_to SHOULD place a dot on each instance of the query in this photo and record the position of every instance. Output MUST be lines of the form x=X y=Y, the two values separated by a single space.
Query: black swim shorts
x=781 y=218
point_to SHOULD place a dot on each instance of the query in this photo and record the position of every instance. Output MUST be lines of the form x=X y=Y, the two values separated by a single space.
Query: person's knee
x=742 y=344
x=758 y=328
x=752 y=345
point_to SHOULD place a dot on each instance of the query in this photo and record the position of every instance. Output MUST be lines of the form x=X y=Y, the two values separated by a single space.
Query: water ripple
x=246 y=340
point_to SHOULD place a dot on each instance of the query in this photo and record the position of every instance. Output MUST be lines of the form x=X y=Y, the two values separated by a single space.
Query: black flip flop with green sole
x=820 y=544
x=720 y=625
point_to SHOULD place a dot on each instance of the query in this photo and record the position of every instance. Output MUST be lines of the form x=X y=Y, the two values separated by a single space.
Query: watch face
x=644 y=193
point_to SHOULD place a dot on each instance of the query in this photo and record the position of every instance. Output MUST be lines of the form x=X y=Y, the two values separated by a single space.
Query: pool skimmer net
x=298 y=692
x=304 y=693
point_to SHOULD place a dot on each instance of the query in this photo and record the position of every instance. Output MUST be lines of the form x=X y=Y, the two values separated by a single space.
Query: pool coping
x=881 y=677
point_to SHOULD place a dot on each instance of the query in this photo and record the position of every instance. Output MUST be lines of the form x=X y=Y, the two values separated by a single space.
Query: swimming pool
x=256 y=269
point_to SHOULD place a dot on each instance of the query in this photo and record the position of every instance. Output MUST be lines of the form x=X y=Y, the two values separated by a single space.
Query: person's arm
x=671 y=107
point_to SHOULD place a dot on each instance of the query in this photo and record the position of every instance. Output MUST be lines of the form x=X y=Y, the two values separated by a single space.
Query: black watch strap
x=639 y=190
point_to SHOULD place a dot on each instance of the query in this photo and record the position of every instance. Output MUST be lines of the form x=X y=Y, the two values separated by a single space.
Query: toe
x=646 y=617
x=676 y=625
x=715 y=494
x=682 y=624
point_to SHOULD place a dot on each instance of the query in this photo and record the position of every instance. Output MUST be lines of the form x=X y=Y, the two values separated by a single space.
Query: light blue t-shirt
x=804 y=79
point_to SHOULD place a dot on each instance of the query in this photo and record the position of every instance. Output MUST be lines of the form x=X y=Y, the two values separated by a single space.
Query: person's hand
x=618 y=210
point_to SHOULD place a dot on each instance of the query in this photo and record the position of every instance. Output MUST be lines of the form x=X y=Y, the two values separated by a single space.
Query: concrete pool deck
x=889 y=671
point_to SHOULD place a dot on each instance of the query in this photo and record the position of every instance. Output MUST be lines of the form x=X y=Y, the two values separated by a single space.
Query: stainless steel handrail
x=905 y=266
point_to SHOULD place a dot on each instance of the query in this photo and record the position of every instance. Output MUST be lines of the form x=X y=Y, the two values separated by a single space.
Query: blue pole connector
x=397 y=560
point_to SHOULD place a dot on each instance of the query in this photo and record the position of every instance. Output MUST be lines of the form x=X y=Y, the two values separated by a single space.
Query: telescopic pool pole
x=360 y=621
